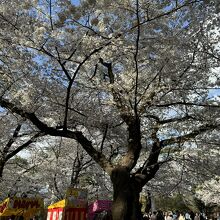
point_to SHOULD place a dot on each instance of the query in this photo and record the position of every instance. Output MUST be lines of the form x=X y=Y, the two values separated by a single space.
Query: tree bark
x=2 y=165
x=126 y=204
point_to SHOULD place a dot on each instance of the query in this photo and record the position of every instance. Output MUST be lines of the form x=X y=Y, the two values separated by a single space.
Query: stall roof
x=60 y=204
x=21 y=206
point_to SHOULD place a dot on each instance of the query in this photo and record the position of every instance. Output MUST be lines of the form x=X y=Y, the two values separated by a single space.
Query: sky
x=75 y=2
x=1 y=109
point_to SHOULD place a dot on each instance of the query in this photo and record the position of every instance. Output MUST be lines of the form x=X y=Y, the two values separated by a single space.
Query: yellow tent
x=26 y=207
x=74 y=206
x=60 y=204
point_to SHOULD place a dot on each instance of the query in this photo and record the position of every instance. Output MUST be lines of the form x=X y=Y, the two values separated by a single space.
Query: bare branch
x=23 y=146
x=104 y=137
x=109 y=67
x=176 y=119
x=51 y=20
x=149 y=84
x=191 y=135
x=136 y=59
x=177 y=8
x=95 y=71
x=11 y=140
x=71 y=109
x=91 y=29
x=186 y=104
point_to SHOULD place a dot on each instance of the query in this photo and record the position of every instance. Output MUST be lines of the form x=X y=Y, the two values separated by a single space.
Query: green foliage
x=20 y=161
x=171 y=203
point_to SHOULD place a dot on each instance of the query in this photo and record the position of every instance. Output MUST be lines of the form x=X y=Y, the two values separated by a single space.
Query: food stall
x=99 y=206
x=21 y=207
x=73 y=207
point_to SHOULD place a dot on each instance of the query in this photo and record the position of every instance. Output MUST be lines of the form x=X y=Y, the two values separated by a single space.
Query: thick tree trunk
x=126 y=204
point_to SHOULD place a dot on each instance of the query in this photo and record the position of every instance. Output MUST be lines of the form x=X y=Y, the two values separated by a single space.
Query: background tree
x=15 y=136
x=125 y=79
x=60 y=166
x=190 y=172
x=20 y=179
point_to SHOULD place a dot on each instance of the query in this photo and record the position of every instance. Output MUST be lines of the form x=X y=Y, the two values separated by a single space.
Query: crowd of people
x=160 y=215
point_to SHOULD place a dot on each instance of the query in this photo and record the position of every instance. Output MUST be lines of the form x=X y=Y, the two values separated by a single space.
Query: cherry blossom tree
x=20 y=178
x=192 y=172
x=62 y=163
x=15 y=137
x=128 y=80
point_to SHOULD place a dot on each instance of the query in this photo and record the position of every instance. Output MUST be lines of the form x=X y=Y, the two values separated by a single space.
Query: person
x=153 y=216
x=12 y=217
x=175 y=217
x=160 y=215
x=197 y=216
x=187 y=216
x=218 y=216
x=181 y=217
x=192 y=215
x=146 y=216
x=201 y=216
x=103 y=215
x=166 y=214
x=170 y=216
